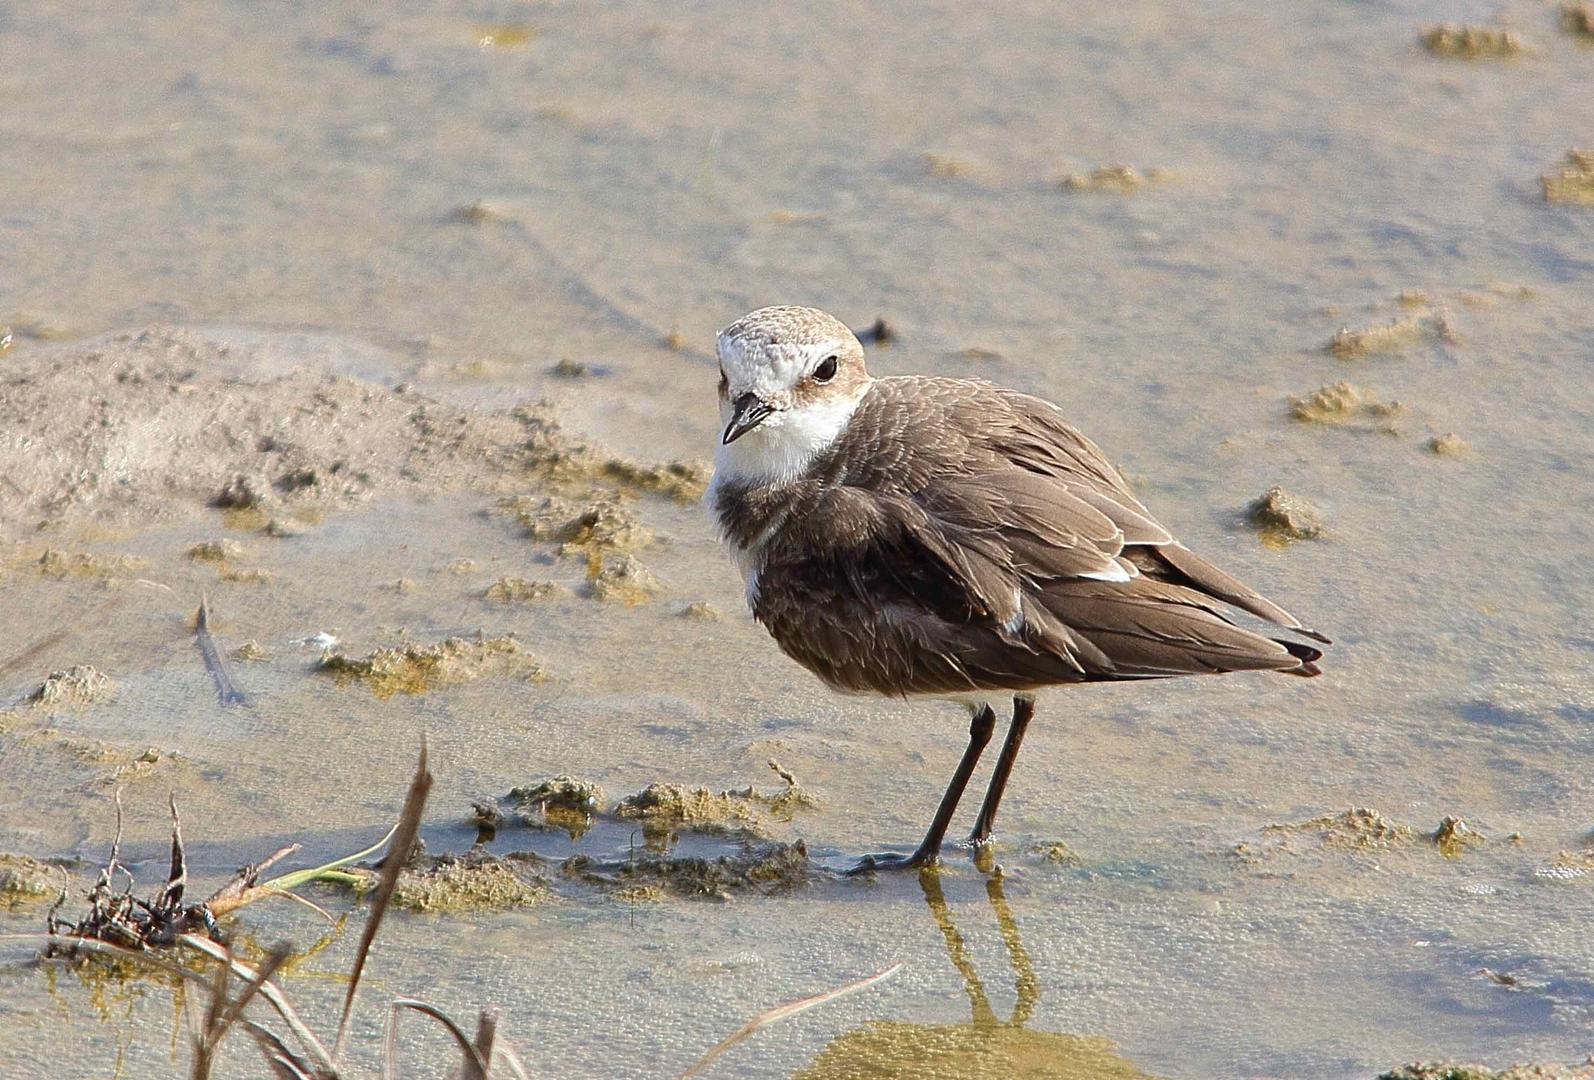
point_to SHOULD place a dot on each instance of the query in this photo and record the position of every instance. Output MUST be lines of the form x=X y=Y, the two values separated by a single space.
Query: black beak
x=748 y=412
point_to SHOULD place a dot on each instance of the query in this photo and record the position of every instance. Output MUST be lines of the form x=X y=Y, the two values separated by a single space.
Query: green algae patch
x=1345 y=403
x=620 y=579
x=64 y=564
x=466 y=884
x=1454 y=836
x=457 y=885
x=669 y=808
x=414 y=669
x=1471 y=42
x=1283 y=518
x=1573 y=181
x=1452 y=1071
x=79 y=684
x=1057 y=853
x=673 y=807
x=684 y=481
x=216 y=551
x=1355 y=343
x=764 y=868
x=519 y=590
x=25 y=880
x=562 y=802
x=600 y=526
x=576 y=467
x=1357 y=829
x=1112 y=179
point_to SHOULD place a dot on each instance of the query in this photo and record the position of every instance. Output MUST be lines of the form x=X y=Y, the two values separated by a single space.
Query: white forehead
x=774 y=347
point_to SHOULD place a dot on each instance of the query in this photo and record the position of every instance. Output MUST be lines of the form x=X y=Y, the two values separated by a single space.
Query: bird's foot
x=919 y=860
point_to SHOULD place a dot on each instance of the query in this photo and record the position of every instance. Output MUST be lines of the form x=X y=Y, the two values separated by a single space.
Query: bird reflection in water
x=987 y=1048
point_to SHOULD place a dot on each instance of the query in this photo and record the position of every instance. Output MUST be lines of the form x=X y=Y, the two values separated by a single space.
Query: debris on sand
x=250 y=652
x=1282 y=518
x=77 y=685
x=581 y=469
x=765 y=868
x=1122 y=179
x=480 y=212
x=1577 y=18
x=63 y=564
x=76 y=417
x=1352 y=343
x=567 y=368
x=565 y=802
x=1057 y=853
x=1358 y=829
x=216 y=551
x=599 y=526
x=1573 y=182
x=1448 y=445
x=621 y=579
x=675 y=341
x=1471 y=42
x=947 y=168
x=460 y=884
x=1343 y=403
x=1451 y=1071
x=684 y=481
x=285 y=528
x=675 y=807
x=25 y=880
x=668 y=808
x=243 y=492
x=519 y=590
x=702 y=611
x=1454 y=836
x=414 y=669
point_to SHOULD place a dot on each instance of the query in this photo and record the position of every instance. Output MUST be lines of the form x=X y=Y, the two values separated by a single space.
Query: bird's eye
x=826 y=370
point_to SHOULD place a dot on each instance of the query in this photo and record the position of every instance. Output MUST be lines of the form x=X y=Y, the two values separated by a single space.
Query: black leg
x=1023 y=713
x=929 y=851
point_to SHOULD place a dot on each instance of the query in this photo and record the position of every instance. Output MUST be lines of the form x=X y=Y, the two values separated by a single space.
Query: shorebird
x=916 y=536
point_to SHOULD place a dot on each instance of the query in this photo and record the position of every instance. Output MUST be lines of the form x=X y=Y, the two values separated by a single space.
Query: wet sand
x=268 y=201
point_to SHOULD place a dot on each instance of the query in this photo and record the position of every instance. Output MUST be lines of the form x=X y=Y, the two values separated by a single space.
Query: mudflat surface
x=344 y=257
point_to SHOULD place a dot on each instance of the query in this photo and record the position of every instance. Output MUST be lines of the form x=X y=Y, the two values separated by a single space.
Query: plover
x=917 y=536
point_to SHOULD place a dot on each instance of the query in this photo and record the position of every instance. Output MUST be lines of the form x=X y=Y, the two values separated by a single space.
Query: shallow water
x=293 y=179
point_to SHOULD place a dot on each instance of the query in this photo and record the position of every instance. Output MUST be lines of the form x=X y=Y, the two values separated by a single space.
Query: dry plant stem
x=478 y=1057
x=398 y=853
x=267 y=990
x=284 y=1064
x=781 y=1012
x=222 y=1013
x=312 y=1045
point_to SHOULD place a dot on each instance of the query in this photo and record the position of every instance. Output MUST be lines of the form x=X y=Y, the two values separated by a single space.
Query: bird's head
x=790 y=378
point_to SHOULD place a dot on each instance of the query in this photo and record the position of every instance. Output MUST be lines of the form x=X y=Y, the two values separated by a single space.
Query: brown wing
x=1041 y=440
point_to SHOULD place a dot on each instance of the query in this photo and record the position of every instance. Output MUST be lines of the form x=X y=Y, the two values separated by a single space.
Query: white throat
x=782 y=448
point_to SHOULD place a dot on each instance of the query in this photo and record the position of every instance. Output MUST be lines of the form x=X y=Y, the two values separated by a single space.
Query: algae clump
x=1282 y=518
x=414 y=669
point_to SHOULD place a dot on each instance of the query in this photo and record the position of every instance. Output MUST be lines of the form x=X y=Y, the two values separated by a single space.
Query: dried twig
x=398 y=852
x=781 y=1012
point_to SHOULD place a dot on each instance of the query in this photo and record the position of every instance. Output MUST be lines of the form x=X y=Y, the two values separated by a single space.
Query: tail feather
x=1189 y=569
